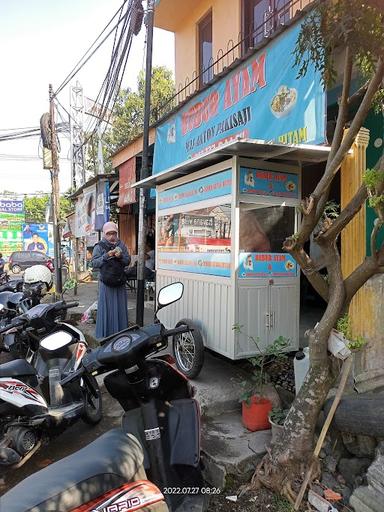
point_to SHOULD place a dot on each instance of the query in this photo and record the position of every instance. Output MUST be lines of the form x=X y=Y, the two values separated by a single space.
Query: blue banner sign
x=204 y=263
x=36 y=238
x=266 y=264
x=215 y=185
x=261 y=99
x=268 y=183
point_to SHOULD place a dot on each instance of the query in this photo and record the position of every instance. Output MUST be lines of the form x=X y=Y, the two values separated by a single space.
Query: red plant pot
x=255 y=415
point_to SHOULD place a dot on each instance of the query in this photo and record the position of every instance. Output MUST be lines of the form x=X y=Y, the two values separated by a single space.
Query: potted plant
x=255 y=403
x=276 y=419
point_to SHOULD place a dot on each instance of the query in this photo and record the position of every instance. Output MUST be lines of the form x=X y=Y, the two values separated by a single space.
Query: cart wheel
x=188 y=349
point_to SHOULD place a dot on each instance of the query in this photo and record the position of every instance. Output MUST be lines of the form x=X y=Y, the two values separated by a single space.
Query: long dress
x=112 y=306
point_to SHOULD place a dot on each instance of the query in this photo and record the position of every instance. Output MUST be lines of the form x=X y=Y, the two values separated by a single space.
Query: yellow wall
x=226 y=25
x=183 y=20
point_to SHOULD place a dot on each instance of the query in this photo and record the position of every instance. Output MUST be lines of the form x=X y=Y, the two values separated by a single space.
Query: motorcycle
x=34 y=406
x=11 y=305
x=159 y=436
x=11 y=285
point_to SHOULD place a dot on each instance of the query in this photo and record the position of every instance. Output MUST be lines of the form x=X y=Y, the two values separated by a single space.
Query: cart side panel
x=206 y=301
x=252 y=309
x=285 y=311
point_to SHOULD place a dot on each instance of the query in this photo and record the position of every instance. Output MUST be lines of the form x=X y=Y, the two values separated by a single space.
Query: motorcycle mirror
x=169 y=294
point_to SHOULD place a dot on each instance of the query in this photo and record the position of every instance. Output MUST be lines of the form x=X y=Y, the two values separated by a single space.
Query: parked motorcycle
x=11 y=285
x=159 y=436
x=33 y=404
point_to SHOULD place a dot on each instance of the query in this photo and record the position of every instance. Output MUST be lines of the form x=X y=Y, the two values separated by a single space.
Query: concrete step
x=229 y=451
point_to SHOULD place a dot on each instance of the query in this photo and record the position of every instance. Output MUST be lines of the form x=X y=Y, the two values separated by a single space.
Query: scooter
x=11 y=305
x=34 y=406
x=159 y=435
x=8 y=285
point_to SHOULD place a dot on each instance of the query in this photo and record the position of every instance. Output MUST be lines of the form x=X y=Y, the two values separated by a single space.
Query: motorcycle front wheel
x=188 y=349
x=92 y=413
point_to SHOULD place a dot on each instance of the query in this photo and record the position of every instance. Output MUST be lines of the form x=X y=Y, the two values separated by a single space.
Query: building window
x=205 y=49
x=261 y=18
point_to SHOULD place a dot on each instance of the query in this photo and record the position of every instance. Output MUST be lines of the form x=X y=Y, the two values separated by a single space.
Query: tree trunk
x=289 y=457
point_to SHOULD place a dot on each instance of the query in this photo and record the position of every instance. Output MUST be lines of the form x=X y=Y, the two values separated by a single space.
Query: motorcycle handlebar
x=66 y=305
x=15 y=323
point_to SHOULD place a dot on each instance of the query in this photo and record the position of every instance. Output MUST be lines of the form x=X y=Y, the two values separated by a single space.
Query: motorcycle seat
x=108 y=462
x=17 y=368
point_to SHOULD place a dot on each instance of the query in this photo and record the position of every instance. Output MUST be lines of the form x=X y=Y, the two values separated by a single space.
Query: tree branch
x=343 y=105
x=360 y=276
x=376 y=228
x=358 y=94
x=335 y=161
x=348 y=213
x=309 y=270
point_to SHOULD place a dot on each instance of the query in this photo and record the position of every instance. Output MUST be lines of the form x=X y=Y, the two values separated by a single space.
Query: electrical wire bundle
x=130 y=20
x=24 y=133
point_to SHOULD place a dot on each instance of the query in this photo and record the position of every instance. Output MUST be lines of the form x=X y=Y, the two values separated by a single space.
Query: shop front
x=228 y=170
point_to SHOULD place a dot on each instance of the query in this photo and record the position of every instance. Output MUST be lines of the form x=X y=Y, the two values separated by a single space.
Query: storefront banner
x=85 y=212
x=11 y=221
x=10 y=241
x=12 y=217
x=127 y=176
x=102 y=205
x=215 y=185
x=204 y=263
x=262 y=99
x=266 y=264
x=11 y=205
x=35 y=237
x=269 y=183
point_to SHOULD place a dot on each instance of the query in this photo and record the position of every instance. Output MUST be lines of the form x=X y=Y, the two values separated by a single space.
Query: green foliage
x=274 y=351
x=374 y=181
x=281 y=504
x=128 y=116
x=278 y=415
x=331 y=210
x=344 y=326
x=352 y=23
x=373 y=178
x=36 y=207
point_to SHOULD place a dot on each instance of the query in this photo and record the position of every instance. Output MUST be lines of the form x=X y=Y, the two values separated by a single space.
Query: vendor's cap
x=110 y=226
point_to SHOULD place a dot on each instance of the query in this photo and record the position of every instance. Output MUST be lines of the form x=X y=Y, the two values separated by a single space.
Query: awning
x=249 y=148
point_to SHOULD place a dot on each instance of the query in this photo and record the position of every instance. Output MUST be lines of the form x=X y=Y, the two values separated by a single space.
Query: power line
x=80 y=63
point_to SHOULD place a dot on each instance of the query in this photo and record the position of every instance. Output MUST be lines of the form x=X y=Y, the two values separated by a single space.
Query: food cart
x=220 y=231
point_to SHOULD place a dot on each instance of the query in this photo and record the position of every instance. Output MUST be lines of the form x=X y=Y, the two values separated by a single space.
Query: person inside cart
x=252 y=237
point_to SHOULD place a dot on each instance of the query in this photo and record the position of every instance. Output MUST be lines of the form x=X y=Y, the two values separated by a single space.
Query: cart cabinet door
x=284 y=312
x=253 y=319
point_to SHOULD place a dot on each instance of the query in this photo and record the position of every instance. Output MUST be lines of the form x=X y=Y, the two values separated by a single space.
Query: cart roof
x=248 y=148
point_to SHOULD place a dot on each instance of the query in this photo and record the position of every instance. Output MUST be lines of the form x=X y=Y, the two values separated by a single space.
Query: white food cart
x=220 y=231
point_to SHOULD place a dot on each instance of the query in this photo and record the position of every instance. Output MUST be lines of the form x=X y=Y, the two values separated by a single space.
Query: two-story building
x=244 y=142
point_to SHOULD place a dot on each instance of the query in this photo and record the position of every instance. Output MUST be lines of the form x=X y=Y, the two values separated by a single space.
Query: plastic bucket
x=255 y=415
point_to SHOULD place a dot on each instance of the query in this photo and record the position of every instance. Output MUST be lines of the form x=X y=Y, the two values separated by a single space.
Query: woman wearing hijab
x=110 y=256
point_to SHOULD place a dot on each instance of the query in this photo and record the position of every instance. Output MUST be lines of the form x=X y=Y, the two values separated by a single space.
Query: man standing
x=36 y=244
x=110 y=256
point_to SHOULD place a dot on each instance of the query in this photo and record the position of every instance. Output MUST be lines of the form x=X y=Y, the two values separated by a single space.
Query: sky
x=41 y=41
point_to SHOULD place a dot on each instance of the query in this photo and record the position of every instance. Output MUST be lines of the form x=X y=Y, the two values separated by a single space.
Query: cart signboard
x=268 y=183
x=215 y=185
x=253 y=265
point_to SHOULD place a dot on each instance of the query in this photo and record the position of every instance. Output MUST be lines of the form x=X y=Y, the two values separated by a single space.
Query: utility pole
x=55 y=195
x=144 y=168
